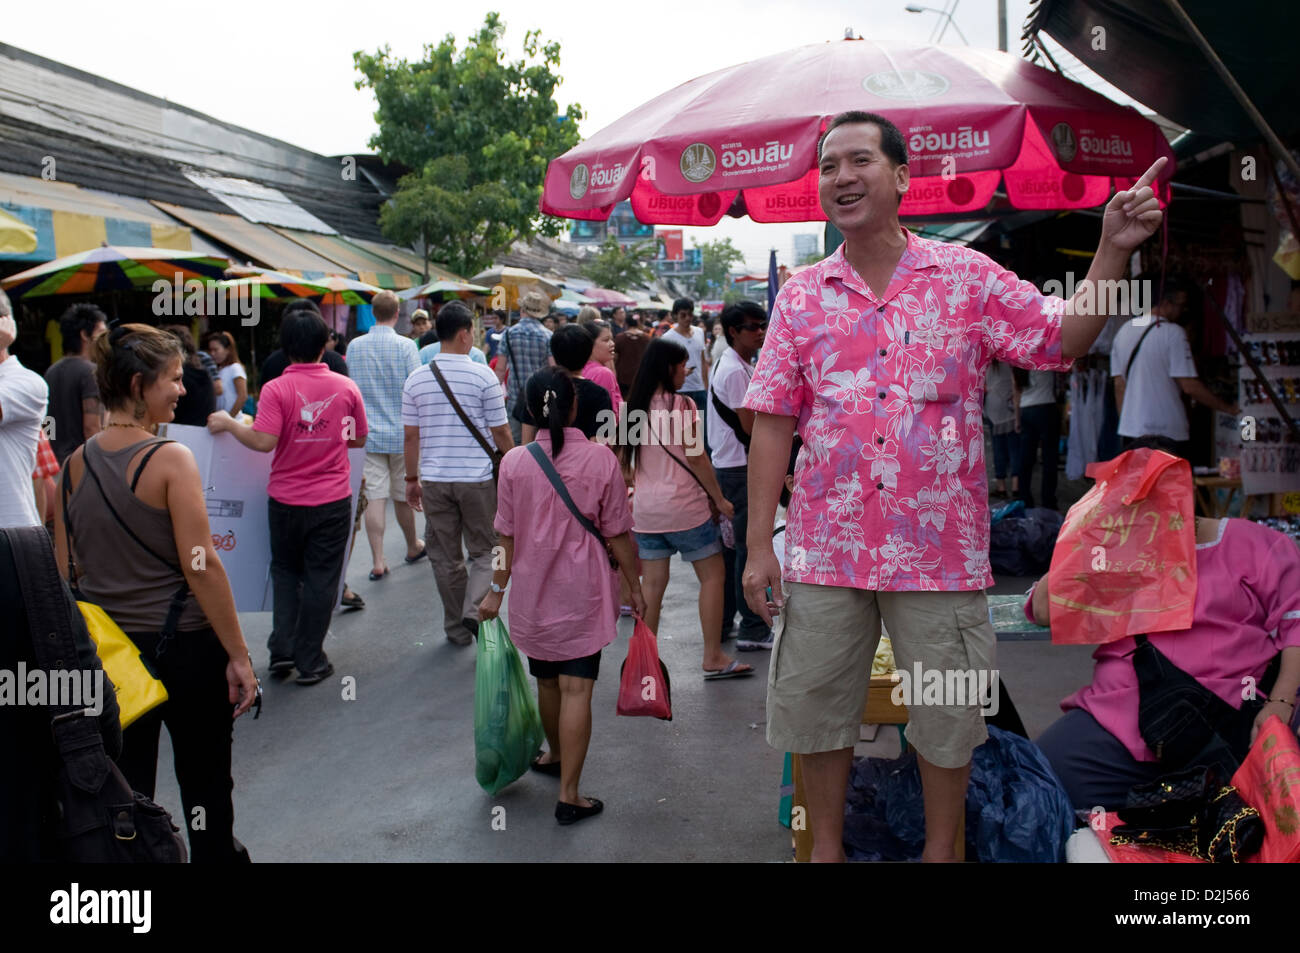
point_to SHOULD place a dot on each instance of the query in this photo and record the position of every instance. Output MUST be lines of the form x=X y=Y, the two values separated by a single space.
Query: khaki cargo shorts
x=825 y=640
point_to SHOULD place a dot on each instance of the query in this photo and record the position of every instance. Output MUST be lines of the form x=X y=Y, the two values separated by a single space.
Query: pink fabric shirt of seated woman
x=563 y=600
x=667 y=499
x=1247 y=610
x=602 y=375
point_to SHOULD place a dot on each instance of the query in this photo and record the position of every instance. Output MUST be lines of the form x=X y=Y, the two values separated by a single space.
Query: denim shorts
x=698 y=543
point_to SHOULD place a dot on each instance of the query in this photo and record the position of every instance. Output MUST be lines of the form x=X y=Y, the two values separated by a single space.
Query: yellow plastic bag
x=138 y=691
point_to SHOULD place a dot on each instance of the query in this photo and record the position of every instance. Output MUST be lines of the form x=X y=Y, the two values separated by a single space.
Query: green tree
x=716 y=259
x=617 y=268
x=477 y=131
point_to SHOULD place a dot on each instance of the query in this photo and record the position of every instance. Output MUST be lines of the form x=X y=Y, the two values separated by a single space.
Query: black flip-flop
x=734 y=669
x=376 y=576
x=410 y=560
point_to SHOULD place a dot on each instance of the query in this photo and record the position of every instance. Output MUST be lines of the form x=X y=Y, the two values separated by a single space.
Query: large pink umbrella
x=744 y=139
x=608 y=298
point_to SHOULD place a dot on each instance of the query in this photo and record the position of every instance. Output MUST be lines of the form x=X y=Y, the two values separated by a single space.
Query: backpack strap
x=177 y=605
x=464 y=418
x=730 y=418
x=1137 y=347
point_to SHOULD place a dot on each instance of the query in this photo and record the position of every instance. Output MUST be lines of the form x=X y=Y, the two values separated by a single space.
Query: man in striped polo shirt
x=448 y=471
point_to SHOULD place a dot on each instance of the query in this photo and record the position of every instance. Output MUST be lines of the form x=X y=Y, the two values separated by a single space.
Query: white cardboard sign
x=234 y=482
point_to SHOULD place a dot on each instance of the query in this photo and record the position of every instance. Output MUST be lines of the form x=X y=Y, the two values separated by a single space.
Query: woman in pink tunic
x=564 y=609
x=1246 y=615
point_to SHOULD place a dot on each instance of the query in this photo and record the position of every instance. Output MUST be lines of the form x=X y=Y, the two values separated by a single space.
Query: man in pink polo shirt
x=877 y=355
x=309 y=416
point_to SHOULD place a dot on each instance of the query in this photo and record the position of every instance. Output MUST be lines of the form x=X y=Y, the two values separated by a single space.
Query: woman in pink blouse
x=673 y=484
x=1247 y=612
x=564 y=608
x=600 y=369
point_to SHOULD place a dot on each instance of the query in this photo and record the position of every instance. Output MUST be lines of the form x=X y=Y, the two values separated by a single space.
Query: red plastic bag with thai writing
x=1269 y=781
x=643 y=687
x=1125 y=560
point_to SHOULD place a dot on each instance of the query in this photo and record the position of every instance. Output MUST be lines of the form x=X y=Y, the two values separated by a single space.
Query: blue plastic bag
x=507 y=729
x=1016 y=808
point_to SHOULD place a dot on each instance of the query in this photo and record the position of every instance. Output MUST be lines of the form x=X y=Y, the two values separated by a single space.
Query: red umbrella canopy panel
x=743 y=140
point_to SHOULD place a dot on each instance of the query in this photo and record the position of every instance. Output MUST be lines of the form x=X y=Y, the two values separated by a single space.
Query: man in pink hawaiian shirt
x=877 y=356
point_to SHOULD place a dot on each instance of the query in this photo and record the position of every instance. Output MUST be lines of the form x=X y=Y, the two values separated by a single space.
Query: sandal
x=376 y=576
x=353 y=601
x=411 y=560
x=734 y=669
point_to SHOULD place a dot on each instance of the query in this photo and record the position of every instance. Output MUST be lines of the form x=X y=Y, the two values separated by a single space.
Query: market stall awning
x=1163 y=68
x=68 y=220
x=354 y=259
x=256 y=242
x=408 y=260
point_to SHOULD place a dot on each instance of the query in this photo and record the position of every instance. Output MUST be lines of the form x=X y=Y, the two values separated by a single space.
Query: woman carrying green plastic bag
x=507 y=729
x=564 y=605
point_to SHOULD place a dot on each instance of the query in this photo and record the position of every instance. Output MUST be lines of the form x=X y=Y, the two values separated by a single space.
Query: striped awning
x=353 y=259
x=68 y=220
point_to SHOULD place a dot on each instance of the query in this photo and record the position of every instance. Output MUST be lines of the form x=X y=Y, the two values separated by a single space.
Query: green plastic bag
x=507 y=729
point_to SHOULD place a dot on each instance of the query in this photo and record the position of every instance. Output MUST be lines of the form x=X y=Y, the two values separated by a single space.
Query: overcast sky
x=285 y=69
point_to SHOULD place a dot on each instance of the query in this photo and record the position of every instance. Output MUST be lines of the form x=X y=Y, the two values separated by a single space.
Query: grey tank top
x=114 y=571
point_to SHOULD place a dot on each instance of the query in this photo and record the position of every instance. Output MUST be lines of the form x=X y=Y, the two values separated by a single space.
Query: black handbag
x=1191 y=812
x=1183 y=722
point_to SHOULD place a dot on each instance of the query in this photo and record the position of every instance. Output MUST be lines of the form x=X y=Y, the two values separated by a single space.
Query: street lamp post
x=917 y=8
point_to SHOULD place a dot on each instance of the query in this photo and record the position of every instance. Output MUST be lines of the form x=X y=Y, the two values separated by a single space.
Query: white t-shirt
x=228 y=375
x=1041 y=389
x=24 y=397
x=719 y=345
x=695 y=347
x=730 y=380
x=1153 y=401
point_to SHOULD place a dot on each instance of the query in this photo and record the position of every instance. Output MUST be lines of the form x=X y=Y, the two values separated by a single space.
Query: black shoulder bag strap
x=1137 y=347
x=464 y=418
x=730 y=418
x=78 y=738
x=182 y=594
x=553 y=476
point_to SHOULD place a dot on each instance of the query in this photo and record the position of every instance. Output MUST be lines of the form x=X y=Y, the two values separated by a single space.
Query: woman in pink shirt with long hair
x=673 y=484
x=564 y=608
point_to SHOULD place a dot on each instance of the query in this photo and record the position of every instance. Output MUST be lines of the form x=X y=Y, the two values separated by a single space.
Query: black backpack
x=97 y=817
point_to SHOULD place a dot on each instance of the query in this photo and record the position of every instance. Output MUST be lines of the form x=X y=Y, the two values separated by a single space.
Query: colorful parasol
x=114 y=268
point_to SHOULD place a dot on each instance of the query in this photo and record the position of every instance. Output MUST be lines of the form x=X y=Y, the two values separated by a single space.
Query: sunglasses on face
x=754 y=327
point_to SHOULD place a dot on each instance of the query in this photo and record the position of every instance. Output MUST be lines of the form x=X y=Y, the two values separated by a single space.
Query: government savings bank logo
x=1064 y=141
x=698 y=162
x=906 y=84
x=579 y=180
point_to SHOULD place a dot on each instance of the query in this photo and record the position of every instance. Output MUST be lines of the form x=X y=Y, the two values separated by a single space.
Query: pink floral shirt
x=890 y=486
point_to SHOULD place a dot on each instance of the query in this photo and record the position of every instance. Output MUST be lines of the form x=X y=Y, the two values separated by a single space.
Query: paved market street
x=390 y=776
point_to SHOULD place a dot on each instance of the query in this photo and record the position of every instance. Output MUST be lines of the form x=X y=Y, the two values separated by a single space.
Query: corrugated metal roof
x=259 y=203
x=258 y=243
x=405 y=258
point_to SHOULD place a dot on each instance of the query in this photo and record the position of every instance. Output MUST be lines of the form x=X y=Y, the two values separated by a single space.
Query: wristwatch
x=498 y=589
x=412 y=479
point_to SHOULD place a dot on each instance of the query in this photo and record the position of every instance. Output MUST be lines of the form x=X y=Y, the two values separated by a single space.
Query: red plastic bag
x=1134 y=853
x=1125 y=560
x=643 y=687
x=1269 y=781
